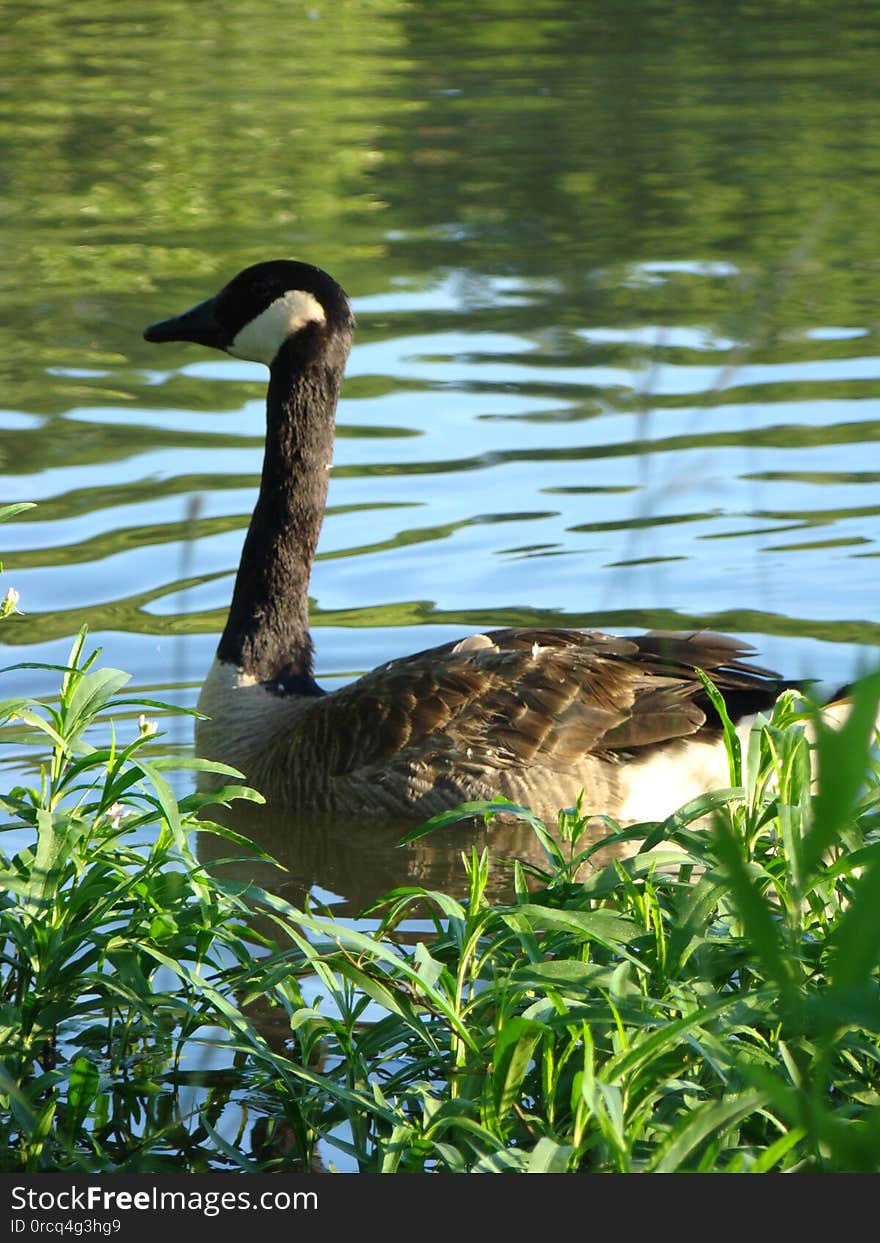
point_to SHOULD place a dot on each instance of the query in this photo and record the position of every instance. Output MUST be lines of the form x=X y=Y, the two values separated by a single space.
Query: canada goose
x=532 y=715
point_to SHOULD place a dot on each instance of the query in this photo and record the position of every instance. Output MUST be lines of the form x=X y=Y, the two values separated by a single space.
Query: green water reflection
x=697 y=179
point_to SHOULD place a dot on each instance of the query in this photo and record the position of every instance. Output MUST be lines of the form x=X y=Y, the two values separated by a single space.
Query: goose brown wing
x=513 y=698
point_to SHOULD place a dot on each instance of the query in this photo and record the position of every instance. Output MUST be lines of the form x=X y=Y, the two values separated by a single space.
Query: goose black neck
x=267 y=634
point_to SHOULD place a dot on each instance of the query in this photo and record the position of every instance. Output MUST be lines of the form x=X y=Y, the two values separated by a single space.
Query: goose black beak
x=198 y=324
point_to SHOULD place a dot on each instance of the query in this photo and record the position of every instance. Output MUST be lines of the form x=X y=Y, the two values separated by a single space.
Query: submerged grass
x=709 y=1004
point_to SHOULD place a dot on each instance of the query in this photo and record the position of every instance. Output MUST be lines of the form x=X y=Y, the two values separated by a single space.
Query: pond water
x=616 y=278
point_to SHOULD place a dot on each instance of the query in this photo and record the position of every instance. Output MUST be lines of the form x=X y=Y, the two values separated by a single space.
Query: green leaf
x=81 y=1092
x=428 y=968
x=53 y=835
x=466 y=811
x=89 y=696
x=758 y=919
x=549 y=1157
x=731 y=738
x=17 y=507
x=607 y=928
x=230 y=1151
x=167 y=802
x=73 y=666
x=38 y=722
x=384 y=996
x=855 y=941
x=514 y=1049
x=842 y=759
x=711 y=1119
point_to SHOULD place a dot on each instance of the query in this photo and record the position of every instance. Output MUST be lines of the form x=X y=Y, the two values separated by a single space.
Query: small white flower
x=116 y=813
x=147 y=728
x=9 y=602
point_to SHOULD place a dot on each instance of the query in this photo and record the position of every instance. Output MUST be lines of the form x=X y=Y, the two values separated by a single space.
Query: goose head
x=263 y=309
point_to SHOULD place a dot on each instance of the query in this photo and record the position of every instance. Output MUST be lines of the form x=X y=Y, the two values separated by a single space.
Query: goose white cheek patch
x=261 y=339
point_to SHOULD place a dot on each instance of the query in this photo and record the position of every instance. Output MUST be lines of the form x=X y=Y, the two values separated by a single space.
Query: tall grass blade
x=514 y=1050
x=731 y=739
x=706 y=1121
x=760 y=924
x=842 y=759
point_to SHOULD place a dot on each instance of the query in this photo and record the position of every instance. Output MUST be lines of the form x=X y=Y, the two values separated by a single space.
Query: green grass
x=709 y=1004
x=113 y=943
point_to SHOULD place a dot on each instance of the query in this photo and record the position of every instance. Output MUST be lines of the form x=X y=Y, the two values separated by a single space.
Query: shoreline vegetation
x=710 y=1004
